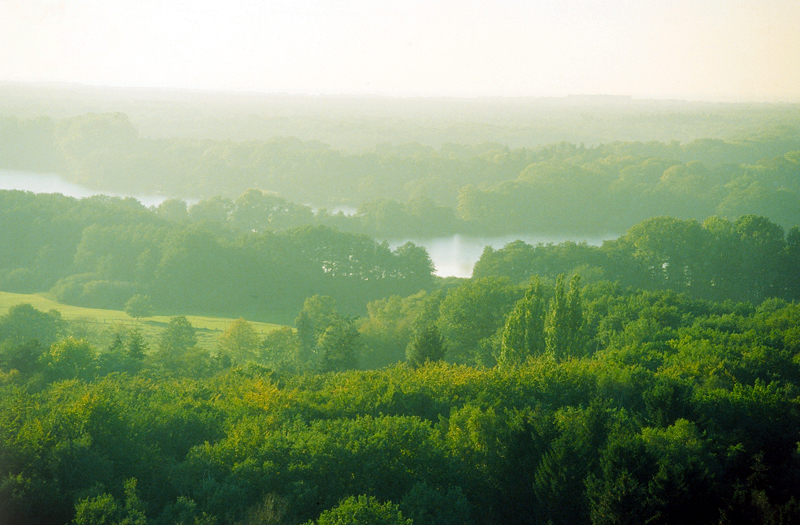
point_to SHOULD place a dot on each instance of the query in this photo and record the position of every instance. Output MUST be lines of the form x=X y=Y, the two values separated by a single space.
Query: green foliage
x=280 y=350
x=426 y=346
x=100 y=510
x=749 y=259
x=363 y=510
x=70 y=358
x=524 y=332
x=240 y=341
x=564 y=322
x=136 y=347
x=470 y=316
x=178 y=351
x=657 y=476
x=26 y=358
x=24 y=323
x=339 y=346
x=389 y=326
x=658 y=407
x=139 y=306
x=426 y=504
x=134 y=507
x=178 y=337
x=121 y=251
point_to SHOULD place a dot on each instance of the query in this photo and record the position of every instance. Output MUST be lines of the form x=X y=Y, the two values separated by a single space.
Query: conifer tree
x=427 y=345
x=136 y=347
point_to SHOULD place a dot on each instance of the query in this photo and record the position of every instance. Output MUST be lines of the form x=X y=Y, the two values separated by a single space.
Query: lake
x=457 y=254
x=453 y=256
x=53 y=183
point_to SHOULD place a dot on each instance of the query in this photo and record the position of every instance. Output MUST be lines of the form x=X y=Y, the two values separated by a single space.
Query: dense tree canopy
x=680 y=410
x=653 y=379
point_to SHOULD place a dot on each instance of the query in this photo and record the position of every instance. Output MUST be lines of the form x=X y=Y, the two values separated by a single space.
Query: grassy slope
x=98 y=321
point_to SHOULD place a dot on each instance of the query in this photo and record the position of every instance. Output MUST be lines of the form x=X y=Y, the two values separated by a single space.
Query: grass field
x=98 y=323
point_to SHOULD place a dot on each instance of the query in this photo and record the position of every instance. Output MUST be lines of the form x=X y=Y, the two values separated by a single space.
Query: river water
x=453 y=256
x=52 y=183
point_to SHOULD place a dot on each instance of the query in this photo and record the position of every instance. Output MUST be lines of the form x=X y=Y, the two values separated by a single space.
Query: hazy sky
x=698 y=49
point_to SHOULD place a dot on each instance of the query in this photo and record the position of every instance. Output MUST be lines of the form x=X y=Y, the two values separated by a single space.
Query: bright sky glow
x=696 y=49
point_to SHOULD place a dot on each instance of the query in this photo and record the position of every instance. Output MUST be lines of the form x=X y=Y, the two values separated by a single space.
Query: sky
x=732 y=50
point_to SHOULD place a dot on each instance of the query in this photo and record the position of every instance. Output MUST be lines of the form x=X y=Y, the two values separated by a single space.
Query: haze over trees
x=650 y=379
x=745 y=163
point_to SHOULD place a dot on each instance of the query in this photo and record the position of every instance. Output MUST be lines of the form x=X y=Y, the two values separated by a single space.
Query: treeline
x=102 y=251
x=260 y=256
x=633 y=406
x=412 y=189
x=749 y=259
x=357 y=124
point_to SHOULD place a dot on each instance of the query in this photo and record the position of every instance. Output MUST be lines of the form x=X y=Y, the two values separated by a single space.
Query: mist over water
x=53 y=183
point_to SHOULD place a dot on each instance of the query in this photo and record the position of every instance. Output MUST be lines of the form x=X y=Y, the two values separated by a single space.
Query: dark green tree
x=179 y=335
x=339 y=346
x=427 y=345
x=26 y=358
x=24 y=323
x=414 y=266
x=471 y=315
x=428 y=504
x=136 y=346
x=557 y=322
x=178 y=338
x=139 y=306
x=317 y=314
x=577 y=338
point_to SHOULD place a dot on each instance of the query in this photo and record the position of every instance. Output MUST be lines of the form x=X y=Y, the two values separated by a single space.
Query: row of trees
x=102 y=251
x=749 y=259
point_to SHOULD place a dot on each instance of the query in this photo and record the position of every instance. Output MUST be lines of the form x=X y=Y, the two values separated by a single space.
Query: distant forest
x=405 y=189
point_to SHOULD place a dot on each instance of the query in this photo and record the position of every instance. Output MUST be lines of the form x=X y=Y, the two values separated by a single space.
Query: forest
x=418 y=189
x=578 y=404
x=651 y=379
x=654 y=378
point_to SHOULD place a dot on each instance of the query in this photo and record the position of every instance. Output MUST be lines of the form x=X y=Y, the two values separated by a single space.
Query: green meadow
x=99 y=321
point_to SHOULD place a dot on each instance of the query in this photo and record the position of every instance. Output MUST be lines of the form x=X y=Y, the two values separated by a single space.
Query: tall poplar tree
x=523 y=335
x=576 y=340
x=564 y=323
